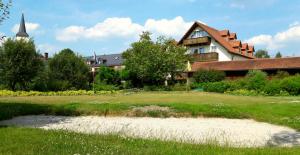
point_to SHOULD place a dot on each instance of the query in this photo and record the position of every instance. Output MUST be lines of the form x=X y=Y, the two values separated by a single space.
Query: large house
x=209 y=44
x=215 y=50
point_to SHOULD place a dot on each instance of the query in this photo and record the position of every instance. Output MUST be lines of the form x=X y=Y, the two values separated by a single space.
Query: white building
x=209 y=44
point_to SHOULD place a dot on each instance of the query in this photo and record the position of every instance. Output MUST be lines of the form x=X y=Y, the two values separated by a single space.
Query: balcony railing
x=197 y=41
x=212 y=56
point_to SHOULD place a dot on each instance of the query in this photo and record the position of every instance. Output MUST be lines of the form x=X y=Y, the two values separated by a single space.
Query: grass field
x=36 y=141
x=276 y=110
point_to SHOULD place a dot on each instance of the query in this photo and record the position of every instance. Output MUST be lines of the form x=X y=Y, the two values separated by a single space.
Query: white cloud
x=171 y=28
x=286 y=41
x=48 y=48
x=30 y=27
x=124 y=28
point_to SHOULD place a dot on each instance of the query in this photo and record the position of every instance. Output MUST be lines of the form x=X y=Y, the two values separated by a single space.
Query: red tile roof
x=217 y=35
x=250 y=64
x=224 y=32
x=245 y=46
x=232 y=36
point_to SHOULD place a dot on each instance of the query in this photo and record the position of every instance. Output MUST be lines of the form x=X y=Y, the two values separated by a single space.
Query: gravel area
x=228 y=132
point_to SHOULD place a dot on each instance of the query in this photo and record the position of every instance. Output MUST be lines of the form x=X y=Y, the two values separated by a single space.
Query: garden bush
x=203 y=76
x=256 y=80
x=291 y=84
x=180 y=87
x=106 y=87
x=219 y=87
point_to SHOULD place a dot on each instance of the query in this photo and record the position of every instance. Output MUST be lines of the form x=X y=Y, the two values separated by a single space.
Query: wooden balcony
x=197 y=41
x=202 y=57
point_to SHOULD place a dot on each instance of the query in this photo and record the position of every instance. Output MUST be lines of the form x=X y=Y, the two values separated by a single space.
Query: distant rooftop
x=110 y=60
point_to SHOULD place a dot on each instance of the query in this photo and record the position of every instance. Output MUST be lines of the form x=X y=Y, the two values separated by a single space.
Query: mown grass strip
x=36 y=141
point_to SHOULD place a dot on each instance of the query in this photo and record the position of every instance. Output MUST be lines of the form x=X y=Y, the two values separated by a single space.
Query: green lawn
x=36 y=141
x=276 y=110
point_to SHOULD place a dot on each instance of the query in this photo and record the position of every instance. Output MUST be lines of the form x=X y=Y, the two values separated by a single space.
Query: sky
x=110 y=26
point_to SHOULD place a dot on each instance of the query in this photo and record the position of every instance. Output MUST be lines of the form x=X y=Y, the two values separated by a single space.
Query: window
x=201 y=50
x=195 y=51
x=213 y=48
x=198 y=34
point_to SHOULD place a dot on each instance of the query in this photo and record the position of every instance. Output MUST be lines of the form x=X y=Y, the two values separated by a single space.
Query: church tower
x=22 y=34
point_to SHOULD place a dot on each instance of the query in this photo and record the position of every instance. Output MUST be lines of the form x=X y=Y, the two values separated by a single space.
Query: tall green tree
x=278 y=55
x=68 y=71
x=19 y=63
x=151 y=62
x=262 y=54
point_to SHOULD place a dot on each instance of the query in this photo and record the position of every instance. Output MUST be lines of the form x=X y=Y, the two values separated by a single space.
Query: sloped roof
x=245 y=46
x=111 y=59
x=216 y=35
x=250 y=64
x=224 y=32
x=232 y=36
x=22 y=29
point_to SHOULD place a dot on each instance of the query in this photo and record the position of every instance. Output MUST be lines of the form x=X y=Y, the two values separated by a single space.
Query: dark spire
x=22 y=29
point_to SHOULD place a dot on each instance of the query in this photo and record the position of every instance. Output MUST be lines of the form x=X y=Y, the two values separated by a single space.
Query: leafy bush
x=107 y=75
x=273 y=87
x=256 y=80
x=203 y=76
x=281 y=75
x=103 y=86
x=180 y=87
x=219 y=87
x=291 y=85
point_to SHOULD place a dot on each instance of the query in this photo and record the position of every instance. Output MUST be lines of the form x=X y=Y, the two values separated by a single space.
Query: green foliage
x=149 y=63
x=278 y=55
x=180 y=87
x=219 y=87
x=104 y=86
x=281 y=75
x=19 y=63
x=202 y=76
x=291 y=85
x=256 y=80
x=107 y=75
x=68 y=71
x=4 y=10
x=262 y=54
x=51 y=93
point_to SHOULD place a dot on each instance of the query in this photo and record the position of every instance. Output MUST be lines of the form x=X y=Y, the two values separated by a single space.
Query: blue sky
x=109 y=26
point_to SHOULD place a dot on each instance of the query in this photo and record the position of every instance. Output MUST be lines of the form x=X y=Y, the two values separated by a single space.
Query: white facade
x=223 y=53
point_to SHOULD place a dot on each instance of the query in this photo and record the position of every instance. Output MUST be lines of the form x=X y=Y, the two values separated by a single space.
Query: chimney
x=46 y=56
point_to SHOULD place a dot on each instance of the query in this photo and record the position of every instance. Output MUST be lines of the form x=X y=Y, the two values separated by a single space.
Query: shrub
x=180 y=87
x=273 y=87
x=219 y=87
x=281 y=75
x=256 y=80
x=203 y=76
x=291 y=84
x=103 y=86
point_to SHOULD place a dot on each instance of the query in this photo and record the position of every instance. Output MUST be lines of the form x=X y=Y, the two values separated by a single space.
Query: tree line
x=147 y=62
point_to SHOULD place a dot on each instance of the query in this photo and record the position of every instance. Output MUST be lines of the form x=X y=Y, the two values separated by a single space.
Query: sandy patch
x=232 y=132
